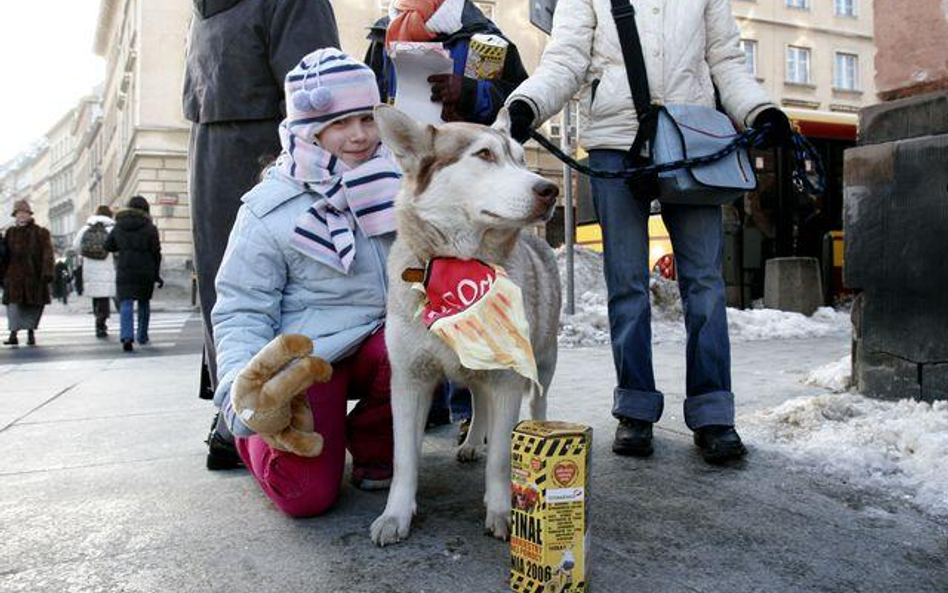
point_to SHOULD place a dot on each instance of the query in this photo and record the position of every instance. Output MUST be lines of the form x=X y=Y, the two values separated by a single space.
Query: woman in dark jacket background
x=135 y=239
x=29 y=270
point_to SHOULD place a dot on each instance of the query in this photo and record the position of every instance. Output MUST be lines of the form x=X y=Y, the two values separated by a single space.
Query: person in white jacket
x=690 y=48
x=98 y=275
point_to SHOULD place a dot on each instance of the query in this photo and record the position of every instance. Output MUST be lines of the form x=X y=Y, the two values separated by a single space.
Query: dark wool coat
x=135 y=239
x=29 y=267
x=239 y=52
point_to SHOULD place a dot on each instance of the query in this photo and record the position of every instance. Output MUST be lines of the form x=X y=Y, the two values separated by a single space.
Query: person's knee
x=311 y=502
x=301 y=487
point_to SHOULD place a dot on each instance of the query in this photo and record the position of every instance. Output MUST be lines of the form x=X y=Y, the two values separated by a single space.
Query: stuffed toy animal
x=269 y=394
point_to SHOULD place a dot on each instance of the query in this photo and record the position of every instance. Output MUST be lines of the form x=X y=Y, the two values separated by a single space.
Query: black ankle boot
x=719 y=444
x=30 y=338
x=12 y=340
x=221 y=453
x=633 y=438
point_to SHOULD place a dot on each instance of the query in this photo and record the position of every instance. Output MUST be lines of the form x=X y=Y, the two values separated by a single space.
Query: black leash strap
x=623 y=13
x=803 y=152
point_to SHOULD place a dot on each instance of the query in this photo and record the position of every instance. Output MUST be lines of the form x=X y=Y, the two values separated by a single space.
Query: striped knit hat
x=326 y=86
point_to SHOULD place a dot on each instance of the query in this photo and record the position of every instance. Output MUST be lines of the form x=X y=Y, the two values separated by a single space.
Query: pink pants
x=307 y=486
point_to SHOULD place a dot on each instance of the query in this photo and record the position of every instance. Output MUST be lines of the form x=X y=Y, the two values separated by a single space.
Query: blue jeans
x=456 y=399
x=697 y=237
x=126 y=327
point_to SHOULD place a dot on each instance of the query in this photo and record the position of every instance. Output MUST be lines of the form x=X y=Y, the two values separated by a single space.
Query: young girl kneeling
x=307 y=256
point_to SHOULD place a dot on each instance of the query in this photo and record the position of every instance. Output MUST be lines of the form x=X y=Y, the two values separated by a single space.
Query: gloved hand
x=780 y=132
x=451 y=90
x=521 y=121
x=160 y=281
x=269 y=394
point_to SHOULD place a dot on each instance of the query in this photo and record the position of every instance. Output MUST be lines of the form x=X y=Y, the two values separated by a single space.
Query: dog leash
x=803 y=151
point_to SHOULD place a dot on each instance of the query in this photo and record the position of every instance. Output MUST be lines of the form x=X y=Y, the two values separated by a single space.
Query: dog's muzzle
x=544 y=198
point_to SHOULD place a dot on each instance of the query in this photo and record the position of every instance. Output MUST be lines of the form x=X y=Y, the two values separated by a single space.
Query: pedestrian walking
x=98 y=266
x=690 y=49
x=308 y=256
x=62 y=279
x=29 y=270
x=464 y=97
x=135 y=239
x=234 y=99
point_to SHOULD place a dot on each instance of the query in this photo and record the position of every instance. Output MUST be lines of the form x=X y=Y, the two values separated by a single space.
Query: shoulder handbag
x=670 y=133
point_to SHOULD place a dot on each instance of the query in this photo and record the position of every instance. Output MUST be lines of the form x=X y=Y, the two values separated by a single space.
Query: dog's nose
x=546 y=192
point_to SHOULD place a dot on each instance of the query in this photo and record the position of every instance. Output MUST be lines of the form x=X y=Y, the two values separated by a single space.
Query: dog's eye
x=486 y=154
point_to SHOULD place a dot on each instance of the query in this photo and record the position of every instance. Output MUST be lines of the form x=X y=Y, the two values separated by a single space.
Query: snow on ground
x=896 y=446
x=589 y=326
x=835 y=376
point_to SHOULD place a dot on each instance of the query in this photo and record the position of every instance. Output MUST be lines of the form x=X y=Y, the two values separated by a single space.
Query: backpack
x=92 y=244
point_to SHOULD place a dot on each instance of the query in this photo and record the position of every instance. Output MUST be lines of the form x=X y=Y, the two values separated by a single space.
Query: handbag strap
x=623 y=13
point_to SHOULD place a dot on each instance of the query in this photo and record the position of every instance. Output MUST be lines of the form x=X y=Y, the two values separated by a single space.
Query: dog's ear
x=408 y=140
x=502 y=122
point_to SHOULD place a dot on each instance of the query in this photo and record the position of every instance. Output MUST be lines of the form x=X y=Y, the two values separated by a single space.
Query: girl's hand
x=269 y=394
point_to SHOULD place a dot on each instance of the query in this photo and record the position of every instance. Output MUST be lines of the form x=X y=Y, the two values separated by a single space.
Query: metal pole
x=568 y=209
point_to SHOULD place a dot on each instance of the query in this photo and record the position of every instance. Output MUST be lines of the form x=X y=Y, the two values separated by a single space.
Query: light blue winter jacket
x=266 y=288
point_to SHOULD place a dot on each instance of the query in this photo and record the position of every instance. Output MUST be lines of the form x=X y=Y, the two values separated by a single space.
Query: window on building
x=799 y=4
x=845 y=71
x=749 y=47
x=845 y=7
x=798 y=65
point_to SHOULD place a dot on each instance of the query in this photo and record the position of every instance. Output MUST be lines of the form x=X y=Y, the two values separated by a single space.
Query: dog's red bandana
x=478 y=312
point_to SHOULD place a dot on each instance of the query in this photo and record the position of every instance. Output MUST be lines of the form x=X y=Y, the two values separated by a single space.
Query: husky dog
x=466 y=194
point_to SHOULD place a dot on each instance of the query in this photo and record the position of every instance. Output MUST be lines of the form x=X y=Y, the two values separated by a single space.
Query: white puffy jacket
x=98 y=275
x=686 y=44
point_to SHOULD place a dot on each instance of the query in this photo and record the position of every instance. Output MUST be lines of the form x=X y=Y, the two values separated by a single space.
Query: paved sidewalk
x=103 y=488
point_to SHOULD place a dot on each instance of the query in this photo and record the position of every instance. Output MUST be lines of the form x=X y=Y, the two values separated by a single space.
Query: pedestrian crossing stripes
x=79 y=328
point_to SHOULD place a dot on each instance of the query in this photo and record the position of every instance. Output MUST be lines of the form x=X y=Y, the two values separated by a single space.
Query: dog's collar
x=414 y=275
x=421 y=275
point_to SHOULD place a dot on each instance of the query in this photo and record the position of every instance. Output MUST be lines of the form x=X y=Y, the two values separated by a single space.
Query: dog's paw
x=390 y=529
x=467 y=453
x=497 y=524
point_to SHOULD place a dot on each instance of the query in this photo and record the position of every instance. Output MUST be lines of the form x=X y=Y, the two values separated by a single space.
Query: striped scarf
x=347 y=197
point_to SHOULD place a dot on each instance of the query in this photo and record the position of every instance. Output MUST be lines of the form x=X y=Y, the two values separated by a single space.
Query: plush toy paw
x=269 y=394
x=298 y=437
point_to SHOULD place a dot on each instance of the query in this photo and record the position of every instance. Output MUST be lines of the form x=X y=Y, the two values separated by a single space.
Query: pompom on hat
x=326 y=86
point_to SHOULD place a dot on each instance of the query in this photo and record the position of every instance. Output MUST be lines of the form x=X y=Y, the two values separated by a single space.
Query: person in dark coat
x=29 y=270
x=453 y=23
x=135 y=240
x=234 y=99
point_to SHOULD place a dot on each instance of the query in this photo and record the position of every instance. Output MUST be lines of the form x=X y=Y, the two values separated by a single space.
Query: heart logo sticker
x=564 y=473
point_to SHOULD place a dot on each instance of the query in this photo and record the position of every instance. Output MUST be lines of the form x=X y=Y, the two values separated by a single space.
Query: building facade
x=814 y=55
x=143 y=138
x=62 y=182
x=39 y=192
x=86 y=168
x=25 y=177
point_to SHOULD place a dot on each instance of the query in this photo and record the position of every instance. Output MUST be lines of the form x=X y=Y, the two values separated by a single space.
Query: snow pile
x=770 y=324
x=899 y=446
x=835 y=376
x=589 y=326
